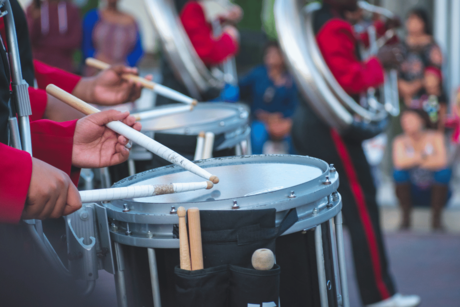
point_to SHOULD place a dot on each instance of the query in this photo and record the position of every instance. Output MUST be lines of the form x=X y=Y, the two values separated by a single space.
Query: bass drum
x=294 y=24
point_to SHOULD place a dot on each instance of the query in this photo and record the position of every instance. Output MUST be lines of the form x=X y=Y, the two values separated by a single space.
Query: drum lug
x=128 y=232
x=332 y=168
x=126 y=208
x=173 y=210
x=314 y=212
x=292 y=195
x=335 y=196
x=235 y=205
x=327 y=182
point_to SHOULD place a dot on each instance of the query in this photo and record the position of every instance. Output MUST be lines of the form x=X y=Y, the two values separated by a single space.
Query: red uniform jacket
x=211 y=50
x=337 y=42
x=52 y=143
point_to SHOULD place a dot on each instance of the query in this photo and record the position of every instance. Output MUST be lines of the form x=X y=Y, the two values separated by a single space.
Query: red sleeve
x=16 y=170
x=338 y=46
x=38 y=102
x=211 y=50
x=52 y=143
x=380 y=30
x=46 y=74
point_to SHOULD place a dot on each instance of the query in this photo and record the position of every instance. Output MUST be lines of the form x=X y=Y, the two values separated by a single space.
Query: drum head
x=240 y=177
x=214 y=117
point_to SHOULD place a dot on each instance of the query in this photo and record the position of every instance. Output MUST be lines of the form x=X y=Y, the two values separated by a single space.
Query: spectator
x=420 y=161
x=55 y=32
x=272 y=93
x=111 y=36
x=421 y=51
x=431 y=98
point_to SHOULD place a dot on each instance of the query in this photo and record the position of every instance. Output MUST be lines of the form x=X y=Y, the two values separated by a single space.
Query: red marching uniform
x=311 y=136
x=211 y=50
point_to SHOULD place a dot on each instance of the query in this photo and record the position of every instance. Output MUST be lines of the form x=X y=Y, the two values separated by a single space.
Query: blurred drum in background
x=227 y=124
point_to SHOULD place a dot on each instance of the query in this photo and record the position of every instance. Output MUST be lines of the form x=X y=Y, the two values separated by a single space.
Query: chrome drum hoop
x=230 y=119
x=179 y=51
x=311 y=188
x=294 y=24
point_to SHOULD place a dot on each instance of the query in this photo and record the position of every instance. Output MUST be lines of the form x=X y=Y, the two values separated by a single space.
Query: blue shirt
x=258 y=89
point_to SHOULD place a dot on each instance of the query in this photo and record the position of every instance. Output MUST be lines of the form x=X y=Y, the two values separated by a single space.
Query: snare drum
x=142 y=229
x=229 y=122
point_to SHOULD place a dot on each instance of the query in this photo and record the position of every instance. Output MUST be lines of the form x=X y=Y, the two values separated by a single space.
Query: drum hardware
x=292 y=195
x=132 y=134
x=316 y=82
x=327 y=181
x=173 y=210
x=157 y=88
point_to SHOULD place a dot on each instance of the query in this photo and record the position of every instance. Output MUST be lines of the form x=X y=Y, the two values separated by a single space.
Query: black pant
x=361 y=214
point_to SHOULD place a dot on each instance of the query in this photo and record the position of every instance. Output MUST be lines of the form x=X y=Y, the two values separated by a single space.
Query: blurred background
x=417 y=254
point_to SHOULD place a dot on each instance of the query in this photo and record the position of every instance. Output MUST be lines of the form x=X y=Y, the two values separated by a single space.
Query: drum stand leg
x=332 y=238
x=131 y=167
x=88 y=177
x=120 y=283
x=341 y=254
x=321 y=267
x=105 y=178
x=154 y=278
x=239 y=149
x=248 y=150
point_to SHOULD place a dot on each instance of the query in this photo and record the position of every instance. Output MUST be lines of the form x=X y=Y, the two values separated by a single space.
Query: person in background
x=420 y=52
x=431 y=98
x=421 y=166
x=55 y=32
x=272 y=93
x=111 y=36
x=197 y=18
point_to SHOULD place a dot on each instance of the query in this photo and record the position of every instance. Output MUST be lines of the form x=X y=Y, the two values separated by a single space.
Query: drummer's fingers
x=122 y=70
x=121 y=155
x=129 y=120
x=122 y=140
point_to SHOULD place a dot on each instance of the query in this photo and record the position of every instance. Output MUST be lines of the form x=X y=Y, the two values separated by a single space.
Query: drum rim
x=304 y=193
x=230 y=123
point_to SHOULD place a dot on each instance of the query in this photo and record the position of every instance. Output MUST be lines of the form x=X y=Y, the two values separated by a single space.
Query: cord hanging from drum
x=157 y=88
x=133 y=135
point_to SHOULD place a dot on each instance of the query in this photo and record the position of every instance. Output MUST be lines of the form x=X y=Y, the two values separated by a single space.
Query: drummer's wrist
x=85 y=89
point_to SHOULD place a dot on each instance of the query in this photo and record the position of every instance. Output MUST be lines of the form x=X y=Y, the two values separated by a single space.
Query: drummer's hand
x=390 y=56
x=51 y=193
x=235 y=14
x=233 y=32
x=109 y=88
x=95 y=145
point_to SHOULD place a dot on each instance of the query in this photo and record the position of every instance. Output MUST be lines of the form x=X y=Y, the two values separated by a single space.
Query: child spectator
x=421 y=170
x=431 y=98
x=111 y=36
x=272 y=93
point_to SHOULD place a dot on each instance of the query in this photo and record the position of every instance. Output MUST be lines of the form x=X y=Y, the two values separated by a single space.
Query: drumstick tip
x=210 y=185
x=214 y=179
x=137 y=117
x=194 y=102
x=202 y=134
x=181 y=212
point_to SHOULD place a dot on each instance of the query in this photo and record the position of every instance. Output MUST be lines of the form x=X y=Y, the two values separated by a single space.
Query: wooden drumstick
x=133 y=135
x=199 y=146
x=139 y=191
x=158 y=88
x=196 y=249
x=263 y=259
x=183 y=241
